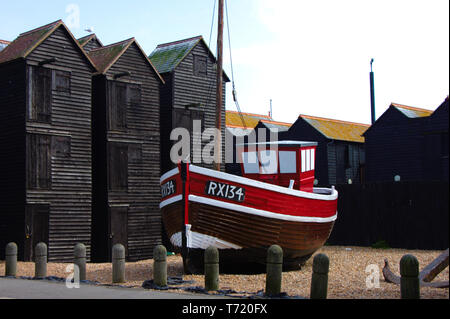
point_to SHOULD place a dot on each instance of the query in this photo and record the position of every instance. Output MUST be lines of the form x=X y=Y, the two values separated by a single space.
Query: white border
x=333 y=194
x=259 y=212
x=169 y=201
x=169 y=174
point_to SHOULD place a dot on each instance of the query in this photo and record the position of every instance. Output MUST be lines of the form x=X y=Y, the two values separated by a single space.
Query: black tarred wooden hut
x=188 y=69
x=126 y=151
x=340 y=150
x=90 y=42
x=408 y=142
x=45 y=138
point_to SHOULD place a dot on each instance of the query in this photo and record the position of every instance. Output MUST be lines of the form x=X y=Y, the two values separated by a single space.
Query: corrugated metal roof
x=412 y=112
x=336 y=129
x=233 y=119
x=166 y=57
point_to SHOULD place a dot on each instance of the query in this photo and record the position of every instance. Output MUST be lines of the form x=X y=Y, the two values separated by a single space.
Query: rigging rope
x=232 y=70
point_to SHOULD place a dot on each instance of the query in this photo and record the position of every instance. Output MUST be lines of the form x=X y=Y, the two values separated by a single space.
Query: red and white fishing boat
x=273 y=202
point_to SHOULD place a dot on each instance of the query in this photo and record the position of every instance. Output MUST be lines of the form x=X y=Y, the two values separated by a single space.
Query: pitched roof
x=3 y=44
x=166 y=57
x=234 y=120
x=280 y=126
x=411 y=112
x=336 y=129
x=26 y=42
x=85 y=40
x=106 y=56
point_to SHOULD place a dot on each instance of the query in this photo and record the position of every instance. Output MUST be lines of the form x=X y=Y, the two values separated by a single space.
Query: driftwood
x=426 y=275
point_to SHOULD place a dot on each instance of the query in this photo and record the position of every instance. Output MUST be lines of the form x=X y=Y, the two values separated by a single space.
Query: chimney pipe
x=372 y=92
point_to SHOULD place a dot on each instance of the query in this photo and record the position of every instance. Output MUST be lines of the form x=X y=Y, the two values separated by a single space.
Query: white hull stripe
x=259 y=212
x=321 y=194
x=169 y=174
x=201 y=241
x=170 y=201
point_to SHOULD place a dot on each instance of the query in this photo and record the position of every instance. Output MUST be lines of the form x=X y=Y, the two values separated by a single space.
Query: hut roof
x=336 y=129
x=166 y=57
x=411 y=112
x=106 y=56
x=234 y=120
x=280 y=126
x=26 y=42
x=85 y=40
x=3 y=44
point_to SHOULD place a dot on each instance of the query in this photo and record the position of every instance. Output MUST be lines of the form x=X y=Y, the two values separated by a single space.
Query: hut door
x=118 y=227
x=36 y=228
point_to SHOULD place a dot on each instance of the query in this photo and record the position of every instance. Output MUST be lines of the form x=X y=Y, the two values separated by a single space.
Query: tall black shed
x=126 y=151
x=340 y=151
x=45 y=138
x=188 y=69
x=407 y=142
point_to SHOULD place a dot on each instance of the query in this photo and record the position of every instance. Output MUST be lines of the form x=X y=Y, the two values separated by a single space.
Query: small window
x=288 y=162
x=61 y=146
x=135 y=95
x=200 y=66
x=269 y=164
x=308 y=160
x=250 y=160
x=62 y=81
x=118 y=166
x=38 y=161
x=40 y=94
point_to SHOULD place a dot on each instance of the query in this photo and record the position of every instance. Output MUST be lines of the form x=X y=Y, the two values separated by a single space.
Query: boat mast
x=219 y=95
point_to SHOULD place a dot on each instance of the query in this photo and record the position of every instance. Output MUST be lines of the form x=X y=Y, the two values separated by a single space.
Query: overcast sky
x=309 y=57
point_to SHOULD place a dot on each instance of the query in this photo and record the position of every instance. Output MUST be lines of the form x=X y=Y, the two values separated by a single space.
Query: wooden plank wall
x=409 y=215
x=189 y=89
x=12 y=155
x=71 y=182
x=143 y=129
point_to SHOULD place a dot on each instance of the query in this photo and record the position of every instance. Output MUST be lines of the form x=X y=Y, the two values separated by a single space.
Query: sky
x=308 y=57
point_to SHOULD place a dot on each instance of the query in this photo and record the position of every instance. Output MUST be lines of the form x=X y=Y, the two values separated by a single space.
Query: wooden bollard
x=11 y=260
x=160 y=266
x=211 y=268
x=274 y=270
x=409 y=281
x=79 y=253
x=118 y=263
x=40 y=261
x=319 y=280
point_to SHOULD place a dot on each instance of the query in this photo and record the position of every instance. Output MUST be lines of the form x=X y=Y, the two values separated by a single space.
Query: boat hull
x=243 y=231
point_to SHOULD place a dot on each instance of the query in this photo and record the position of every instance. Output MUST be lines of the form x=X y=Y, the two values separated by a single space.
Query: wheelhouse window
x=269 y=162
x=288 y=162
x=308 y=160
x=251 y=163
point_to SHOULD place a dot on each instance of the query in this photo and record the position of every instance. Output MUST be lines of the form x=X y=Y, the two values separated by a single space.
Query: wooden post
x=160 y=266
x=219 y=89
x=409 y=281
x=40 y=261
x=11 y=260
x=319 y=281
x=118 y=264
x=274 y=270
x=211 y=268
x=80 y=260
